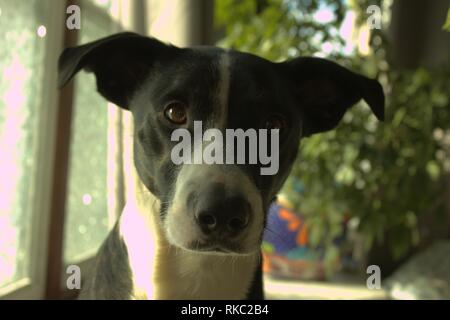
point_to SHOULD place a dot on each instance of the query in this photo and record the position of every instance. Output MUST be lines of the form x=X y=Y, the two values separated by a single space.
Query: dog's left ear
x=325 y=90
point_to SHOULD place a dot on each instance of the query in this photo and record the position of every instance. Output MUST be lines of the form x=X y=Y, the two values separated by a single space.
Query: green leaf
x=446 y=25
x=433 y=169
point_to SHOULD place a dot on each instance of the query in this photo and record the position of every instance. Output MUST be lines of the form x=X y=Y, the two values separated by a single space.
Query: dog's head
x=217 y=205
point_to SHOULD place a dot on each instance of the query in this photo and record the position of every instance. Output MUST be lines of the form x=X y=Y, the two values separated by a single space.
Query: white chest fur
x=162 y=271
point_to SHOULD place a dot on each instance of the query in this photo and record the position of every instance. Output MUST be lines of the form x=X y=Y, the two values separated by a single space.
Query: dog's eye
x=175 y=112
x=276 y=122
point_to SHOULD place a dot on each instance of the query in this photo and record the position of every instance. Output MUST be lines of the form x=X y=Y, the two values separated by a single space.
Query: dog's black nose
x=226 y=217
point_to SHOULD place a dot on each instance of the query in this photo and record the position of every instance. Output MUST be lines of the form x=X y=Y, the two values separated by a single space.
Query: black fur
x=142 y=75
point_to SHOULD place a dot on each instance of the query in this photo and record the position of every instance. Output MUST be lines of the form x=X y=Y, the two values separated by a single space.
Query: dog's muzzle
x=215 y=210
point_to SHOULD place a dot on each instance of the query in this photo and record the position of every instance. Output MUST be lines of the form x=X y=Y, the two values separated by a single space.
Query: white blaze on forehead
x=223 y=89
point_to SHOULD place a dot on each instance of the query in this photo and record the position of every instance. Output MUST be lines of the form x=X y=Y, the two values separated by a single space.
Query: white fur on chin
x=163 y=271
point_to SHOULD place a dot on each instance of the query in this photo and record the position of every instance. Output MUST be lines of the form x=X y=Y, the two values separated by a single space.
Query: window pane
x=87 y=212
x=22 y=43
x=104 y=4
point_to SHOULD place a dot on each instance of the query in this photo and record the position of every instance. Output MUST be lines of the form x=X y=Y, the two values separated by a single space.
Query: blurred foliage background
x=390 y=179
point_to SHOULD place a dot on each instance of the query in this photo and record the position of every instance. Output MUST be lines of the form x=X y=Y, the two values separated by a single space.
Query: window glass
x=23 y=37
x=86 y=205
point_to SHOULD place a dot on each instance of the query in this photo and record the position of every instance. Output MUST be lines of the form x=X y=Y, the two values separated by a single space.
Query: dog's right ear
x=120 y=63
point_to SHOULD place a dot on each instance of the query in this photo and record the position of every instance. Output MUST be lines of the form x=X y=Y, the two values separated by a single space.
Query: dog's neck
x=163 y=271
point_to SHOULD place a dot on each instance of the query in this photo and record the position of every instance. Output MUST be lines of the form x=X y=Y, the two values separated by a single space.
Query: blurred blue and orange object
x=286 y=249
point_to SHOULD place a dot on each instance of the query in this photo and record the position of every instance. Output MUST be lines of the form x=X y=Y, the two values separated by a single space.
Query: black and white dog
x=194 y=231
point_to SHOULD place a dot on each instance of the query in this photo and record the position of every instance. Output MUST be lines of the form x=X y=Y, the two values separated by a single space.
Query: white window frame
x=33 y=287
